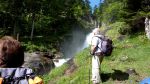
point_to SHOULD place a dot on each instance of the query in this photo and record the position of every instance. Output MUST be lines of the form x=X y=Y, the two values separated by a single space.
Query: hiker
x=11 y=60
x=97 y=56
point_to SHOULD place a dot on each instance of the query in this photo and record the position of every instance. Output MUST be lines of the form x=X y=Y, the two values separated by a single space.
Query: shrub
x=125 y=29
x=122 y=27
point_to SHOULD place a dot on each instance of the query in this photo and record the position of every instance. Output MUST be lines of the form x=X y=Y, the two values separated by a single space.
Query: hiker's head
x=96 y=31
x=11 y=53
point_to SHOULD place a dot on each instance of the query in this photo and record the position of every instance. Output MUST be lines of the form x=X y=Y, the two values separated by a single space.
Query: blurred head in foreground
x=11 y=53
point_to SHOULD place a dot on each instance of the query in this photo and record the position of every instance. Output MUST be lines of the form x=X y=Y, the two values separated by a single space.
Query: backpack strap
x=9 y=76
x=99 y=53
x=101 y=42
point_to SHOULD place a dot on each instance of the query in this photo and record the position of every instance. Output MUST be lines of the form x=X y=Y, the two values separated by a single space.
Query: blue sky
x=95 y=2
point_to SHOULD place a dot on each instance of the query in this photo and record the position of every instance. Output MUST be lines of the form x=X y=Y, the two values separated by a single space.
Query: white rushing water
x=59 y=62
x=89 y=38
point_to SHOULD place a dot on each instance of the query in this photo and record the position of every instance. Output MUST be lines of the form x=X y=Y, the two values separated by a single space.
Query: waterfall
x=78 y=40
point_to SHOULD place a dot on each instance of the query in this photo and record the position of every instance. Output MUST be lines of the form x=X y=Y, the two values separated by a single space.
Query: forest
x=31 y=19
x=42 y=25
x=49 y=21
x=130 y=14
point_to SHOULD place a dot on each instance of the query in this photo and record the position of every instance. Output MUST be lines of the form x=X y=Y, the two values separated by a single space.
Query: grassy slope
x=132 y=52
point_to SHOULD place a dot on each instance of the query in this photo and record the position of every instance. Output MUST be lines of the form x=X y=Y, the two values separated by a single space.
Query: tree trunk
x=14 y=31
x=33 y=17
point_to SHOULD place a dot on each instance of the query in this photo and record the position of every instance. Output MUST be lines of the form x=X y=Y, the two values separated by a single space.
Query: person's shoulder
x=99 y=36
x=95 y=38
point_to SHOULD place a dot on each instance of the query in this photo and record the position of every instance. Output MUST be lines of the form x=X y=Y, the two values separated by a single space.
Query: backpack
x=18 y=76
x=106 y=46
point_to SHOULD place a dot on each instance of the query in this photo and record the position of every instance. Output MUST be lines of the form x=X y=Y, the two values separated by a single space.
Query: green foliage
x=114 y=32
x=131 y=12
x=40 y=43
x=78 y=12
x=45 y=14
x=54 y=75
x=118 y=29
x=30 y=47
x=124 y=29
x=112 y=11
x=145 y=5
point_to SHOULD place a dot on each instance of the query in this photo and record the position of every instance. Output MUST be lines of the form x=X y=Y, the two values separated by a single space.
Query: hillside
x=128 y=64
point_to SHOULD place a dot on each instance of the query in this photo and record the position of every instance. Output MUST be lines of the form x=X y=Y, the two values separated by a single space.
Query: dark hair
x=11 y=53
